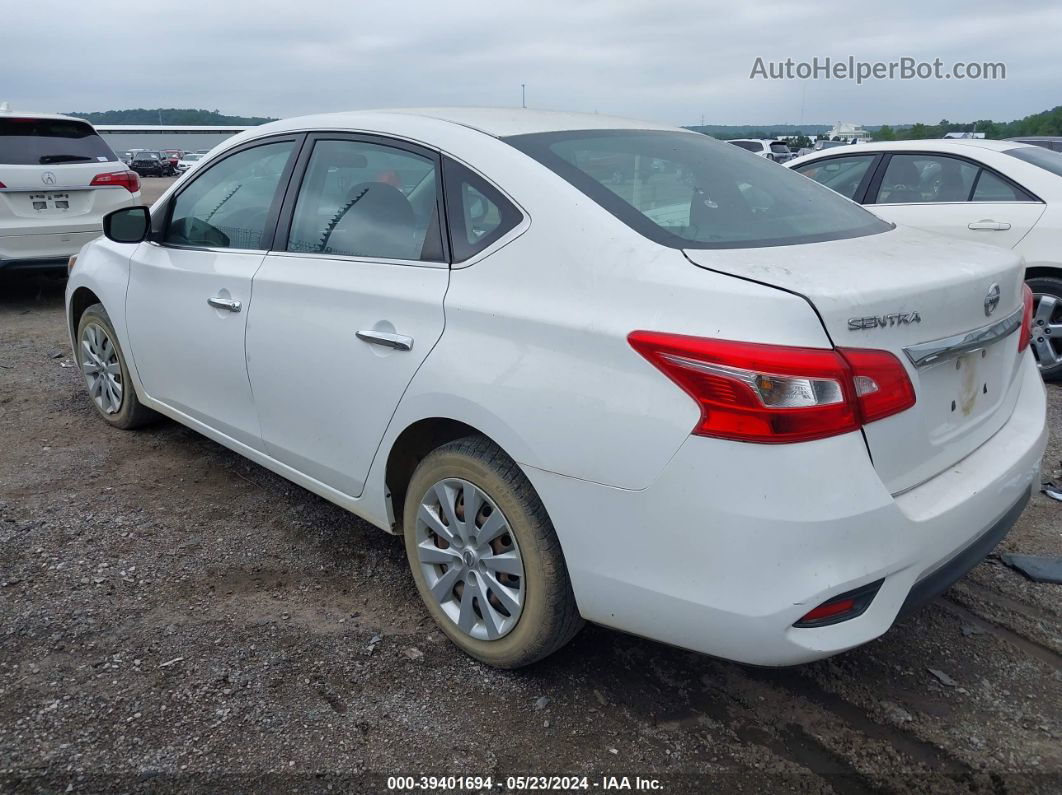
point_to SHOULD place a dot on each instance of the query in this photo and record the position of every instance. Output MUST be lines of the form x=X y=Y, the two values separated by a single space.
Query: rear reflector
x=775 y=393
x=842 y=607
x=129 y=180
x=1026 y=318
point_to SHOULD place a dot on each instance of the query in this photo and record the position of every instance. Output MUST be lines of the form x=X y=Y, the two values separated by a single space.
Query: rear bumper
x=734 y=543
x=42 y=250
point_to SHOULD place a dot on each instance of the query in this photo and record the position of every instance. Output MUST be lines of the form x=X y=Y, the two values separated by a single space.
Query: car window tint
x=228 y=204
x=920 y=179
x=32 y=141
x=687 y=190
x=842 y=174
x=363 y=199
x=992 y=188
x=478 y=214
x=752 y=146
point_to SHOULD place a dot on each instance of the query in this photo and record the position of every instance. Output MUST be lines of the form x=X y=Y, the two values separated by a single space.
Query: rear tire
x=520 y=605
x=102 y=364
x=1047 y=327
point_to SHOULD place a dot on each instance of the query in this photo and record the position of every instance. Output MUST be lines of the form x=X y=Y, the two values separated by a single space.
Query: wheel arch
x=409 y=449
x=80 y=300
x=1053 y=271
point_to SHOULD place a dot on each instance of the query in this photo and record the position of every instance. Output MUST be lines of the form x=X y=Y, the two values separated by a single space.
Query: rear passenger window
x=921 y=179
x=227 y=206
x=991 y=188
x=477 y=212
x=842 y=174
x=361 y=199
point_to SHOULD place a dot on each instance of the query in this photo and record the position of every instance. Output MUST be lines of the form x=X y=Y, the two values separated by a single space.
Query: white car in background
x=709 y=402
x=189 y=160
x=1004 y=193
x=58 y=178
x=778 y=151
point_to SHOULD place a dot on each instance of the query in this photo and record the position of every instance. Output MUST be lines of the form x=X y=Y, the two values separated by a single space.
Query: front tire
x=106 y=374
x=1047 y=325
x=485 y=557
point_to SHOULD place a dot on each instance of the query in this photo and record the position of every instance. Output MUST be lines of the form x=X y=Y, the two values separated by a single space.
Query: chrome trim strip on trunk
x=925 y=354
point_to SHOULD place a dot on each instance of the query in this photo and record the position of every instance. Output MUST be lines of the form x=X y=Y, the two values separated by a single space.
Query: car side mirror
x=127 y=225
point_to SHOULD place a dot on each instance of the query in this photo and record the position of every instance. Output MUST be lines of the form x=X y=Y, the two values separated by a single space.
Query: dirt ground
x=174 y=617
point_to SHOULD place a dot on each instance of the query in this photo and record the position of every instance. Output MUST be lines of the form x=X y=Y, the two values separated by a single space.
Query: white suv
x=777 y=151
x=58 y=178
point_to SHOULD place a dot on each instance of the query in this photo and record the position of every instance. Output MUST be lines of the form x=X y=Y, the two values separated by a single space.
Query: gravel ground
x=174 y=617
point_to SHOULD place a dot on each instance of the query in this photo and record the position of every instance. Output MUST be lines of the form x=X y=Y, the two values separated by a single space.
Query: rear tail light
x=842 y=607
x=2 y=185
x=1026 y=318
x=129 y=180
x=775 y=393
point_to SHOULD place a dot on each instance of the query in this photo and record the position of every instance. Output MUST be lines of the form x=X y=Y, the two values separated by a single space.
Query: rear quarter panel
x=535 y=351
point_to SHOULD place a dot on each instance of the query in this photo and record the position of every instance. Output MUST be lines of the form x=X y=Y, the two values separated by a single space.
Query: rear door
x=953 y=196
x=189 y=292
x=348 y=304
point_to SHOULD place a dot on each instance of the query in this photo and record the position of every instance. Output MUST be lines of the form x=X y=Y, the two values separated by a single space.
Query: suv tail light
x=2 y=185
x=129 y=180
x=1026 y=318
x=776 y=393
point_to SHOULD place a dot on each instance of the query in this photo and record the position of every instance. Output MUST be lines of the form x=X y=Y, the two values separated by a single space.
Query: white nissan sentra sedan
x=588 y=368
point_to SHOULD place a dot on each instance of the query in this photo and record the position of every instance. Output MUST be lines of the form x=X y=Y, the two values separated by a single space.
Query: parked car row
x=561 y=380
x=160 y=163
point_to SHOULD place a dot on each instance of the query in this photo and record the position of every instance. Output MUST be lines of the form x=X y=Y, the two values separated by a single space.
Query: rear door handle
x=388 y=340
x=225 y=303
x=994 y=226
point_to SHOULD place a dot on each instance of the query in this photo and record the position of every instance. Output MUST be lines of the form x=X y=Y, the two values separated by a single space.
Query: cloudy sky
x=666 y=60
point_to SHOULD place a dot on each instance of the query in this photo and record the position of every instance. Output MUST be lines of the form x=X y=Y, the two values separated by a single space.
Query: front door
x=348 y=304
x=190 y=288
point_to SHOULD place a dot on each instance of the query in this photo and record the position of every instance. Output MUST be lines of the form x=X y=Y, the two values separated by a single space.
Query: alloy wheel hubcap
x=1047 y=330
x=470 y=559
x=101 y=368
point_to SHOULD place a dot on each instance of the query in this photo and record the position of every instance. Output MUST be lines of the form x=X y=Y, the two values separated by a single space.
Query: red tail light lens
x=2 y=185
x=129 y=180
x=1026 y=318
x=774 y=393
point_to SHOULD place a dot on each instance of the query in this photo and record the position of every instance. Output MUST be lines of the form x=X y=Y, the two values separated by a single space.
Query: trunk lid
x=896 y=291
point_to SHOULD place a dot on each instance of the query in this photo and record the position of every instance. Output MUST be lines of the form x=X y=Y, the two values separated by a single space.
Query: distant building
x=960 y=134
x=848 y=131
x=190 y=138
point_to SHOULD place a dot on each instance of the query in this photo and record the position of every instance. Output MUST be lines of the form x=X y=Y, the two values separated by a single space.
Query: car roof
x=30 y=114
x=497 y=122
x=941 y=144
x=954 y=145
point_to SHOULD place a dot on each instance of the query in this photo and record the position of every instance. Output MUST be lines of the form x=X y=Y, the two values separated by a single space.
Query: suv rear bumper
x=734 y=543
x=42 y=250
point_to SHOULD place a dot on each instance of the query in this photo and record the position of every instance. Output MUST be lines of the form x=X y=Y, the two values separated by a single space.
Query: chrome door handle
x=225 y=303
x=994 y=226
x=388 y=340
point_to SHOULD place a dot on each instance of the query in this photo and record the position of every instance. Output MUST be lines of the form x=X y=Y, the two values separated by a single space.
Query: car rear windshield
x=1038 y=156
x=781 y=148
x=686 y=190
x=35 y=142
x=752 y=146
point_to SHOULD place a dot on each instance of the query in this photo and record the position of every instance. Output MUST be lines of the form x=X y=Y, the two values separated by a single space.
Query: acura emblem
x=48 y=177
x=991 y=299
